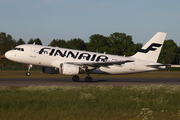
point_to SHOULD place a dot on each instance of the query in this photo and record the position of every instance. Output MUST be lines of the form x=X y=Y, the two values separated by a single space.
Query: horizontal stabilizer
x=156 y=65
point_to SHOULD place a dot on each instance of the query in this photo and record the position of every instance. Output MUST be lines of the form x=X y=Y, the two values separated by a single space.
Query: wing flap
x=100 y=64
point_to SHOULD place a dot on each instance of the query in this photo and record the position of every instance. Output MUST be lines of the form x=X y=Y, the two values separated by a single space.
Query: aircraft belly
x=116 y=69
x=124 y=69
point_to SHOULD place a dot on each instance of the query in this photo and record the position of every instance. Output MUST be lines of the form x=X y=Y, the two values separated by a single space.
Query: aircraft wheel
x=75 y=78
x=28 y=73
x=88 y=79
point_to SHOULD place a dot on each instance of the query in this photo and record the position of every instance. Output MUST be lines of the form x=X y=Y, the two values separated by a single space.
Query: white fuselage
x=53 y=56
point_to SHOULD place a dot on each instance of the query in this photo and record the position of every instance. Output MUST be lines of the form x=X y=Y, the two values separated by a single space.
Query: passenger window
x=18 y=49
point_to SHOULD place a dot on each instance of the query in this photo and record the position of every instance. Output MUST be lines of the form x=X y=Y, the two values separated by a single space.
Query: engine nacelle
x=50 y=70
x=69 y=69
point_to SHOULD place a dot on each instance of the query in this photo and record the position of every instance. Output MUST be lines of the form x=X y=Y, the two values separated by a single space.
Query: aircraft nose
x=8 y=54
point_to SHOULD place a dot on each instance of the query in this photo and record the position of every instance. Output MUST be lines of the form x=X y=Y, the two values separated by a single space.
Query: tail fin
x=151 y=50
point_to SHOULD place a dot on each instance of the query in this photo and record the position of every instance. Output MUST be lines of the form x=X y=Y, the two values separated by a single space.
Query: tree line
x=116 y=43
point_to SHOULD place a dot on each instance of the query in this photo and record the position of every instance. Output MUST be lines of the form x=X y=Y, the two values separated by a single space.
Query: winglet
x=151 y=50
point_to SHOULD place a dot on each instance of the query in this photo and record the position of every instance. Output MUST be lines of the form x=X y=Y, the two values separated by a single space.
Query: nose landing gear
x=29 y=68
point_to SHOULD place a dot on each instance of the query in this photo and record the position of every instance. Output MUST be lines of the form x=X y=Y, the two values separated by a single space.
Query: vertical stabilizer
x=151 y=50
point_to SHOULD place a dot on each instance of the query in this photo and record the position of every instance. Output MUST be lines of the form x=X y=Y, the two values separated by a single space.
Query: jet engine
x=50 y=70
x=69 y=69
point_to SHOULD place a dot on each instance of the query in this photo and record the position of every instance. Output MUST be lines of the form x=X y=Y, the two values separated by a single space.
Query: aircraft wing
x=99 y=64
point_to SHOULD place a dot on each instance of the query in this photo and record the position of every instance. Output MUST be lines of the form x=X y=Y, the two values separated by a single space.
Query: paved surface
x=17 y=82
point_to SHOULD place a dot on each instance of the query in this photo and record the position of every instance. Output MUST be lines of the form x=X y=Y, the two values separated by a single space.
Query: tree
x=9 y=43
x=54 y=43
x=2 y=39
x=31 y=41
x=37 y=41
x=20 y=42
x=98 y=43
x=133 y=49
x=139 y=46
x=116 y=43
x=169 y=53
x=122 y=44
x=77 y=44
x=178 y=61
x=62 y=43
x=58 y=43
x=6 y=42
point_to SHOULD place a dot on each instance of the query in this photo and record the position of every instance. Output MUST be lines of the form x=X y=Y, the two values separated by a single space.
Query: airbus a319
x=55 y=60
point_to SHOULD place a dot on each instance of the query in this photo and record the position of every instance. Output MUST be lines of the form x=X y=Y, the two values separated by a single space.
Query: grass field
x=39 y=74
x=155 y=102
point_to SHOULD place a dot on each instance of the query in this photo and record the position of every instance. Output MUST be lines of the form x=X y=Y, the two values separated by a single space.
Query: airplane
x=55 y=60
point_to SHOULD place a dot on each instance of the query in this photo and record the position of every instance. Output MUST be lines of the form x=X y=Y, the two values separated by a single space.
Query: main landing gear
x=87 y=79
x=75 y=78
x=29 y=68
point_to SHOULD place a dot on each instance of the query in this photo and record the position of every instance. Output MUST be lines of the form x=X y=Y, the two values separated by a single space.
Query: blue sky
x=66 y=19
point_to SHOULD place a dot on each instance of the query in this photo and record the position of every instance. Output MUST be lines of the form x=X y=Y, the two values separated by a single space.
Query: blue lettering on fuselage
x=58 y=52
x=72 y=54
x=84 y=56
x=44 y=51
x=77 y=55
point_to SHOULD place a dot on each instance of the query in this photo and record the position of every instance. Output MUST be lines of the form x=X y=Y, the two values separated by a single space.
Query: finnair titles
x=73 y=54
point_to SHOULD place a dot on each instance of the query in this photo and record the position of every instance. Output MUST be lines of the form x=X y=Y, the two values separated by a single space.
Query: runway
x=18 y=82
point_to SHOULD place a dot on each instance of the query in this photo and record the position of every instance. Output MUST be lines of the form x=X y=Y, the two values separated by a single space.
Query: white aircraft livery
x=55 y=60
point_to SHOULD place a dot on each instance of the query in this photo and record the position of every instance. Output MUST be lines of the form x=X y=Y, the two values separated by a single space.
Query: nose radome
x=8 y=54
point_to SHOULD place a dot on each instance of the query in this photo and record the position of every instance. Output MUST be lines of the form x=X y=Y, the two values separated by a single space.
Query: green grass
x=39 y=74
x=157 y=102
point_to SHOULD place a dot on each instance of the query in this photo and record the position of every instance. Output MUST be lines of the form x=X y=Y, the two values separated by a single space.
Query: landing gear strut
x=88 y=78
x=75 y=78
x=29 y=68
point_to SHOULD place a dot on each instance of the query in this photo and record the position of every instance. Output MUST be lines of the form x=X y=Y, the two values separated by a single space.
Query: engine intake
x=69 y=69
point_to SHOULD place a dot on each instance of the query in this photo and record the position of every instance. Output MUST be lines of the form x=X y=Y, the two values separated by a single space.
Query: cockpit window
x=19 y=49
x=14 y=48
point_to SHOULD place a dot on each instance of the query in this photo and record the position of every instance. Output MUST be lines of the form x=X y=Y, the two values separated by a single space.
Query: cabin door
x=33 y=51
